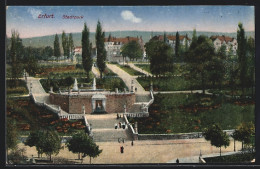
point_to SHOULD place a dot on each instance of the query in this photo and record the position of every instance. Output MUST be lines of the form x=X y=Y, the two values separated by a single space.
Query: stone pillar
x=104 y=104
x=81 y=84
x=51 y=89
x=116 y=90
x=31 y=88
x=124 y=108
x=136 y=129
x=79 y=92
x=93 y=105
x=83 y=109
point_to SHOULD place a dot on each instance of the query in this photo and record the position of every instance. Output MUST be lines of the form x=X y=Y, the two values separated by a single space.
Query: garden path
x=128 y=79
x=96 y=72
x=139 y=69
x=146 y=151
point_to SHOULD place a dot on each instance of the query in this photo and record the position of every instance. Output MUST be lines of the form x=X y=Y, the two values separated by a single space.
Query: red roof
x=222 y=38
x=170 y=37
x=122 y=40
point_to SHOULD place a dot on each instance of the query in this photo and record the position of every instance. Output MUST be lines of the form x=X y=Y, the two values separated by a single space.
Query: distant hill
x=44 y=41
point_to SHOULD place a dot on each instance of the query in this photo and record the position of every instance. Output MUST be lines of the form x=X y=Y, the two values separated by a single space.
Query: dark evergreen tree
x=16 y=55
x=177 y=47
x=101 y=52
x=199 y=59
x=71 y=45
x=56 y=51
x=241 y=52
x=87 y=60
x=160 y=55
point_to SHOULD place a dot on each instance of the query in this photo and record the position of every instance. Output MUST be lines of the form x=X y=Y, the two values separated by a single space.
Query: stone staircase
x=103 y=128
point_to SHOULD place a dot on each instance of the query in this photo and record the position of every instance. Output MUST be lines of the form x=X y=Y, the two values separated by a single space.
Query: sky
x=25 y=19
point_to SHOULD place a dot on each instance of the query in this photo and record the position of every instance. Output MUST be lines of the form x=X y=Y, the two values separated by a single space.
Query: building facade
x=171 y=40
x=113 y=45
x=230 y=43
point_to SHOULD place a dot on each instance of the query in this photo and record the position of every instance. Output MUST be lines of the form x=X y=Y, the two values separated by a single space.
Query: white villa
x=218 y=41
x=113 y=45
x=171 y=40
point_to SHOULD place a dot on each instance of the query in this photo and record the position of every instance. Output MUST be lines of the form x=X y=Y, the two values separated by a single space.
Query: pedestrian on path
x=132 y=143
x=177 y=161
x=122 y=149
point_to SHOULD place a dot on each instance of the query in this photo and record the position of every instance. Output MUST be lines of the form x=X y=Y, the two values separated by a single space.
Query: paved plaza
x=152 y=151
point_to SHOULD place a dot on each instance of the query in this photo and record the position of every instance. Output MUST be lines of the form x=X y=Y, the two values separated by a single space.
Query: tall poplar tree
x=71 y=44
x=101 y=52
x=65 y=43
x=56 y=51
x=16 y=55
x=86 y=50
x=241 y=52
x=177 y=46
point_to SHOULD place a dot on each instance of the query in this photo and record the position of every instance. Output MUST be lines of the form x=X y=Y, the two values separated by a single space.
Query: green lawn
x=21 y=88
x=145 y=67
x=181 y=113
x=130 y=71
x=168 y=83
x=236 y=158
x=29 y=116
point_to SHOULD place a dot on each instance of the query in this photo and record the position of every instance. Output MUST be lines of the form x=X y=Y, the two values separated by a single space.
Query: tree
x=16 y=55
x=71 y=45
x=164 y=37
x=132 y=50
x=177 y=47
x=160 y=55
x=216 y=136
x=34 y=139
x=93 y=151
x=11 y=135
x=68 y=81
x=65 y=44
x=87 y=60
x=81 y=143
x=49 y=143
x=251 y=64
x=244 y=132
x=101 y=52
x=30 y=61
x=56 y=52
x=47 y=52
x=199 y=58
x=186 y=46
x=241 y=52
x=217 y=67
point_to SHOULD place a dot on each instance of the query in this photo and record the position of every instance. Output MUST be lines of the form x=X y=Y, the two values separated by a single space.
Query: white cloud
x=34 y=12
x=129 y=16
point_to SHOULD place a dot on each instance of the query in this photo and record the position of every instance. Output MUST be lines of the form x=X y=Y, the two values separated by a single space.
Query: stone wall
x=175 y=136
x=115 y=102
x=73 y=103
x=76 y=102
x=61 y=100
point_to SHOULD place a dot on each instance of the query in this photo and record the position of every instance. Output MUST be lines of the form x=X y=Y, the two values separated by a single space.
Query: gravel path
x=127 y=79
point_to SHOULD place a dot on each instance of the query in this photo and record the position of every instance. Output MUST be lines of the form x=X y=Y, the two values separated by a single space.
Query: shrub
x=17 y=90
